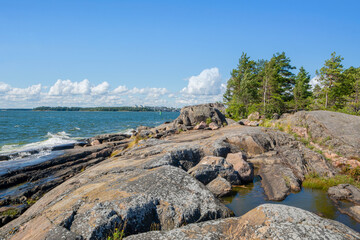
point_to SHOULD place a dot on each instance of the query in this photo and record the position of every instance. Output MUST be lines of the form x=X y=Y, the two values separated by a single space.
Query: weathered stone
x=219 y=187
x=210 y=167
x=191 y=115
x=345 y=192
x=140 y=128
x=201 y=125
x=213 y=126
x=95 y=143
x=243 y=168
x=268 y=221
x=184 y=157
x=230 y=121
x=337 y=131
x=145 y=133
x=220 y=148
x=4 y=157
x=138 y=197
x=277 y=181
x=349 y=193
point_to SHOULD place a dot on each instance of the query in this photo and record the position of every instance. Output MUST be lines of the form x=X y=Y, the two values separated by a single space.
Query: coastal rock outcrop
x=337 y=131
x=268 y=221
x=154 y=184
x=349 y=193
x=192 y=115
x=32 y=182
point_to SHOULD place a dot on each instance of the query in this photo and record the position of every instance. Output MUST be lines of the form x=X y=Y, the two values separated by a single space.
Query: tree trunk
x=326 y=100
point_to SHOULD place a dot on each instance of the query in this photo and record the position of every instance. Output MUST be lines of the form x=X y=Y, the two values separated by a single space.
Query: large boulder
x=210 y=167
x=268 y=221
x=243 y=168
x=219 y=187
x=278 y=181
x=192 y=115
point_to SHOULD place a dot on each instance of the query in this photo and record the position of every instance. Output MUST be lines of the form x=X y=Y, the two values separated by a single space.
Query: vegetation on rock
x=270 y=86
x=313 y=180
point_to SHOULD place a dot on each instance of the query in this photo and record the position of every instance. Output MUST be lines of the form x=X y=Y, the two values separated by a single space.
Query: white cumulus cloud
x=315 y=80
x=120 y=89
x=149 y=91
x=100 y=89
x=208 y=82
x=4 y=87
x=67 y=87
x=32 y=90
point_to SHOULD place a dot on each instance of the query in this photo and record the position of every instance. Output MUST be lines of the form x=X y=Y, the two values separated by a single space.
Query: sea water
x=29 y=136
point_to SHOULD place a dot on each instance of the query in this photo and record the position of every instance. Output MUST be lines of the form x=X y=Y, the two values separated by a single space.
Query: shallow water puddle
x=245 y=198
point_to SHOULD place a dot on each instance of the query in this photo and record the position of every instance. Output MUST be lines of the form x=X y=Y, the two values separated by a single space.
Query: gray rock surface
x=210 y=167
x=241 y=166
x=91 y=207
x=219 y=187
x=268 y=221
x=345 y=192
x=349 y=193
x=339 y=131
x=192 y=115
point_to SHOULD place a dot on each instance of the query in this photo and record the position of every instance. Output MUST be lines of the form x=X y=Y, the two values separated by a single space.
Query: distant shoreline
x=96 y=109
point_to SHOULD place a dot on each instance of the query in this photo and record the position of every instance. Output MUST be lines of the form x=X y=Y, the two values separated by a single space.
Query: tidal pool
x=247 y=197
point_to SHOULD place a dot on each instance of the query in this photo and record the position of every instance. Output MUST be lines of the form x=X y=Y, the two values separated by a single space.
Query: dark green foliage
x=242 y=88
x=261 y=86
x=332 y=81
x=270 y=86
x=302 y=90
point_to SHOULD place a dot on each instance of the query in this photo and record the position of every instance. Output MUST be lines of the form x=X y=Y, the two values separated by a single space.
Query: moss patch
x=12 y=212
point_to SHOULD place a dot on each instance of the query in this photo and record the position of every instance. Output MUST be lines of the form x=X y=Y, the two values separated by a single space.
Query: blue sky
x=173 y=53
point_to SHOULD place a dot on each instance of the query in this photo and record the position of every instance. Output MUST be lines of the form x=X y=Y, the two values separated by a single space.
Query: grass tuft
x=12 y=212
x=315 y=181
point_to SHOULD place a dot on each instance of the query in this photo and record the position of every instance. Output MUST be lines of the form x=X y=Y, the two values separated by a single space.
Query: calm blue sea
x=25 y=131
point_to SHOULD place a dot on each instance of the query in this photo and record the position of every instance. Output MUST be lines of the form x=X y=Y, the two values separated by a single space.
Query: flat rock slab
x=268 y=221
x=339 y=131
x=137 y=198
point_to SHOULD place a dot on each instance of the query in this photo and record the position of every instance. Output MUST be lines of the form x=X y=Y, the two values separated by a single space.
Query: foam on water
x=53 y=140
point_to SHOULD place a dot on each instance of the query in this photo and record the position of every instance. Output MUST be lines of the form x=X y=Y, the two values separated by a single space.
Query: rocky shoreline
x=168 y=178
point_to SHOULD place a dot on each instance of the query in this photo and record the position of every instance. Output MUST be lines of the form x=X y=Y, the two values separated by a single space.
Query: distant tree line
x=270 y=86
x=109 y=109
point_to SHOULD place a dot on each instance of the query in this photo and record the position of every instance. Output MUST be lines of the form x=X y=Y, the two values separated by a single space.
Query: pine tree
x=353 y=79
x=302 y=89
x=242 y=88
x=276 y=84
x=331 y=78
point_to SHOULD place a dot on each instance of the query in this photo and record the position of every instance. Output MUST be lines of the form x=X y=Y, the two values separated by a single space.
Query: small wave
x=53 y=140
x=127 y=131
